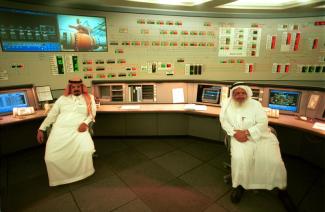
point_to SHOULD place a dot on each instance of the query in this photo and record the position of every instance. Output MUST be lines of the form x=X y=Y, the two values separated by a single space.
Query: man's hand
x=83 y=127
x=241 y=135
x=40 y=136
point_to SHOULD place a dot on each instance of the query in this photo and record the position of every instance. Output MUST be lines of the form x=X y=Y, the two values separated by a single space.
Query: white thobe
x=257 y=163
x=68 y=153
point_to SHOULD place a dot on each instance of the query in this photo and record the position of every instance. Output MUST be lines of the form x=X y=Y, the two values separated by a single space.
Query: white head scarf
x=236 y=85
x=243 y=86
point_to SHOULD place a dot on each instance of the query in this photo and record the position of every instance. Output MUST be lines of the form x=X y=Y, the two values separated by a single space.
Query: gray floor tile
x=135 y=141
x=134 y=206
x=204 y=150
x=102 y=171
x=177 y=162
x=31 y=165
x=106 y=146
x=208 y=180
x=62 y=203
x=219 y=161
x=103 y=195
x=301 y=177
x=32 y=192
x=175 y=196
x=132 y=175
x=254 y=201
x=179 y=142
x=154 y=148
x=314 y=199
x=215 y=208
x=145 y=175
x=129 y=157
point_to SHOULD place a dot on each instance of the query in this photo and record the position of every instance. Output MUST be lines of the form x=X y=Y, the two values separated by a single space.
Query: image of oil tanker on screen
x=82 y=33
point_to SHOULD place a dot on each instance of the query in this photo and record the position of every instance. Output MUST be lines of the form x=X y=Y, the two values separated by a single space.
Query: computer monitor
x=211 y=95
x=284 y=100
x=9 y=100
x=256 y=94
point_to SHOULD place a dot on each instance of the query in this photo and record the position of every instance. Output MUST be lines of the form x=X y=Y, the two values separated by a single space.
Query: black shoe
x=236 y=194
x=286 y=201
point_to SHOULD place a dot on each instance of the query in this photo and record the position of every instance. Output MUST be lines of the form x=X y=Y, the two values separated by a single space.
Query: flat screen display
x=10 y=100
x=82 y=33
x=211 y=94
x=28 y=31
x=284 y=100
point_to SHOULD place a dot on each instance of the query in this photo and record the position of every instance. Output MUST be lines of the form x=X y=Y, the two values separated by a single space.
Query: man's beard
x=240 y=104
x=76 y=93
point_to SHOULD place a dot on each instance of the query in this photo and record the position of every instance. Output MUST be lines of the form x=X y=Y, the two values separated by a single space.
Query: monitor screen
x=284 y=100
x=82 y=33
x=10 y=100
x=211 y=95
x=27 y=31
x=256 y=93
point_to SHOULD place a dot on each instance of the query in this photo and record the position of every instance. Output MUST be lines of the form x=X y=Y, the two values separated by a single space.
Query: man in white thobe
x=256 y=161
x=69 y=147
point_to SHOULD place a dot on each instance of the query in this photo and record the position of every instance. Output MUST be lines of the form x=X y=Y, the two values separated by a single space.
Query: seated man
x=256 y=161
x=69 y=148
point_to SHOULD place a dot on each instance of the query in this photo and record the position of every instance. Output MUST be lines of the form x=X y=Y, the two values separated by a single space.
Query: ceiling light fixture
x=173 y=2
x=274 y=4
x=321 y=6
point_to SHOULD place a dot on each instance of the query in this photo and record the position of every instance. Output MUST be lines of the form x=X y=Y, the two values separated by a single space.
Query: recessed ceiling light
x=173 y=2
x=321 y=6
x=274 y=4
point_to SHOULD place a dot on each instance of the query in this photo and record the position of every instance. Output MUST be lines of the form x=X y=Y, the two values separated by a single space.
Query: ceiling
x=205 y=10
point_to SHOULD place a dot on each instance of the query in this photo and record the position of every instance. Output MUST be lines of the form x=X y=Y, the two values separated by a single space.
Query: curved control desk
x=283 y=120
x=211 y=111
x=167 y=120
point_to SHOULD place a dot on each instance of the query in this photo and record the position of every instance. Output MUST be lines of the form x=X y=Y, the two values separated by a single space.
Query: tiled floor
x=180 y=174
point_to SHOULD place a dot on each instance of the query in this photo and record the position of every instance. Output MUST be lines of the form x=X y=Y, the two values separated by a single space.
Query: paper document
x=130 y=107
x=195 y=107
x=200 y=107
x=44 y=93
x=318 y=125
x=178 y=95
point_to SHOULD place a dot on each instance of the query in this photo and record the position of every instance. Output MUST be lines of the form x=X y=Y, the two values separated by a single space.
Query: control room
x=162 y=106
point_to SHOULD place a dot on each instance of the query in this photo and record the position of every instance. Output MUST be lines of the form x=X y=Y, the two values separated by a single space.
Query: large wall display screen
x=28 y=31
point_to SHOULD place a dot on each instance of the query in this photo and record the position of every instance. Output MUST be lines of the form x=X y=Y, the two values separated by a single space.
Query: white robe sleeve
x=261 y=123
x=91 y=118
x=224 y=121
x=51 y=116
